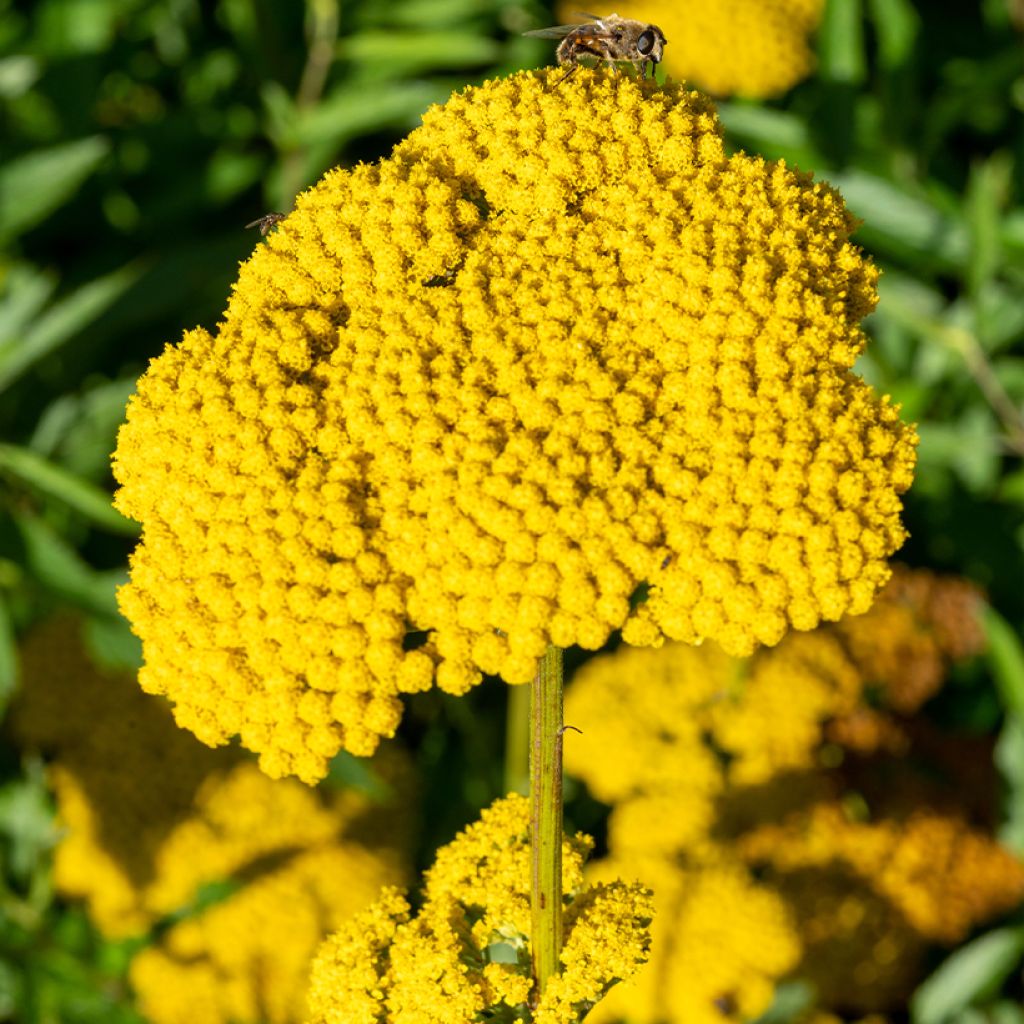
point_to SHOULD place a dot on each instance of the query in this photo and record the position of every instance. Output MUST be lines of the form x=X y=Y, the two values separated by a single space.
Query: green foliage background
x=138 y=138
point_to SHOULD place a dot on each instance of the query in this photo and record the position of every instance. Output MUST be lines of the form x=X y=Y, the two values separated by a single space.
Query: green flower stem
x=546 y=818
x=517 y=740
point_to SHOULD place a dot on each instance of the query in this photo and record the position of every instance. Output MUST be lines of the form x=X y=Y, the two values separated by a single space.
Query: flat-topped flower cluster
x=557 y=348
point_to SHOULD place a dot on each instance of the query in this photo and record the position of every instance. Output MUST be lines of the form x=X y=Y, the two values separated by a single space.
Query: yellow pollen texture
x=466 y=401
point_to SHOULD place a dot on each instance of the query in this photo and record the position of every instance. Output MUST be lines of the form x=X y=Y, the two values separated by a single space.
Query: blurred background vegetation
x=139 y=137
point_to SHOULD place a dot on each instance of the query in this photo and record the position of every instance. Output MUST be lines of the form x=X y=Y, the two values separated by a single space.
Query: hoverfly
x=611 y=39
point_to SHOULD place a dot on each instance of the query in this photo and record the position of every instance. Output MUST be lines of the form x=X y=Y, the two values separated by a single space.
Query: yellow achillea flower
x=753 y=48
x=720 y=941
x=557 y=346
x=870 y=897
x=467 y=951
x=145 y=831
x=659 y=710
x=874 y=859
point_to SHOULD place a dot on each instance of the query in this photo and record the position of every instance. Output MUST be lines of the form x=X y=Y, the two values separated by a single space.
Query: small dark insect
x=266 y=222
x=611 y=39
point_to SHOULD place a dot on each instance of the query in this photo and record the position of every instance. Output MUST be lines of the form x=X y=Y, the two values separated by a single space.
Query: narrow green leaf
x=987 y=190
x=1005 y=655
x=62 y=322
x=346 y=112
x=897 y=23
x=971 y=973
x=417 y=52
x=841 y=43
x=34 y=185
x=8 y=655
x=24 y=295
x=772 y=133
x=54 y=482
x=57 y=566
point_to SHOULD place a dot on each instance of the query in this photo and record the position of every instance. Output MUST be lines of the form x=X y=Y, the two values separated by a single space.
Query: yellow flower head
x=749 y=47
x=467 y=952
x=557 y=346
x=150 y=818
x=671 y=715
x=870 y=896
x=720 y=940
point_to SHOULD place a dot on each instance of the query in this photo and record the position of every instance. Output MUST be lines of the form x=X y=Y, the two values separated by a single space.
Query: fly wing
x=555 y=32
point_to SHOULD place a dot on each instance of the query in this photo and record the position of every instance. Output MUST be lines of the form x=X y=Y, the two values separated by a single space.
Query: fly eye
x=645 y=42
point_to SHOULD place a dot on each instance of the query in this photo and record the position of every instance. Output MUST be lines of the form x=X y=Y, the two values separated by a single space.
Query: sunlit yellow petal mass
x=558 y=345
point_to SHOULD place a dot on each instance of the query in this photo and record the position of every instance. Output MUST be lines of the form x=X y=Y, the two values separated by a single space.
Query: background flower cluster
x=797 y=863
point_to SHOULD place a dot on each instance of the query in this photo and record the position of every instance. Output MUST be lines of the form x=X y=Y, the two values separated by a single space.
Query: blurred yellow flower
x=558 y=346
x=719 y=942
x=747 y=47
x=467 y=951
x=150 y=819
x=727 y=775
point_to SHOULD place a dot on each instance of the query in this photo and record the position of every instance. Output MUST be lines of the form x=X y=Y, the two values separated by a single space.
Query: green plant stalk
x=546 y=818
x=517 y=740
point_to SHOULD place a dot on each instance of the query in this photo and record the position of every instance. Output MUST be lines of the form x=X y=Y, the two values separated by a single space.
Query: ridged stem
x=546 y=818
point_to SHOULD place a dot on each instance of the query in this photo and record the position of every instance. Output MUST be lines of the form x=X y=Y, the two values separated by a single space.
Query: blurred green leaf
x=18 y=73
x=10 y=990
x=393 y=53
x=901 y=223
x=112 y=644
x=1000 y=316
x=34 y=185
x=773 y=133
x=426 y=13
x=1005 y=655
x=61 y=323
x=1009 y=758
x=987 y=190
x=78 y=430
x=969 y=446
x=55 y=564
x=85 y=498
x=792 y=1000
x=25 y=293
x=8 y=655
x=26 y=820
x=841 y=55
x=1001 y=1013
x=972 y=973
x=349 y=111
x=897 y=24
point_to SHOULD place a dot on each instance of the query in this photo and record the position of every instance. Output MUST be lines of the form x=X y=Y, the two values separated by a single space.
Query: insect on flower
x=611 y=39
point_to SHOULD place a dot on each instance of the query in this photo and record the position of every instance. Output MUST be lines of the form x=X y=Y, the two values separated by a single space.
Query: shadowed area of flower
x=556 y=348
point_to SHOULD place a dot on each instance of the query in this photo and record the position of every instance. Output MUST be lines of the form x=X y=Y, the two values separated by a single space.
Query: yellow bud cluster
x=870 y=864
x=466 y=953
x=753 y=48
x=150 y=818
x=557 y=346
